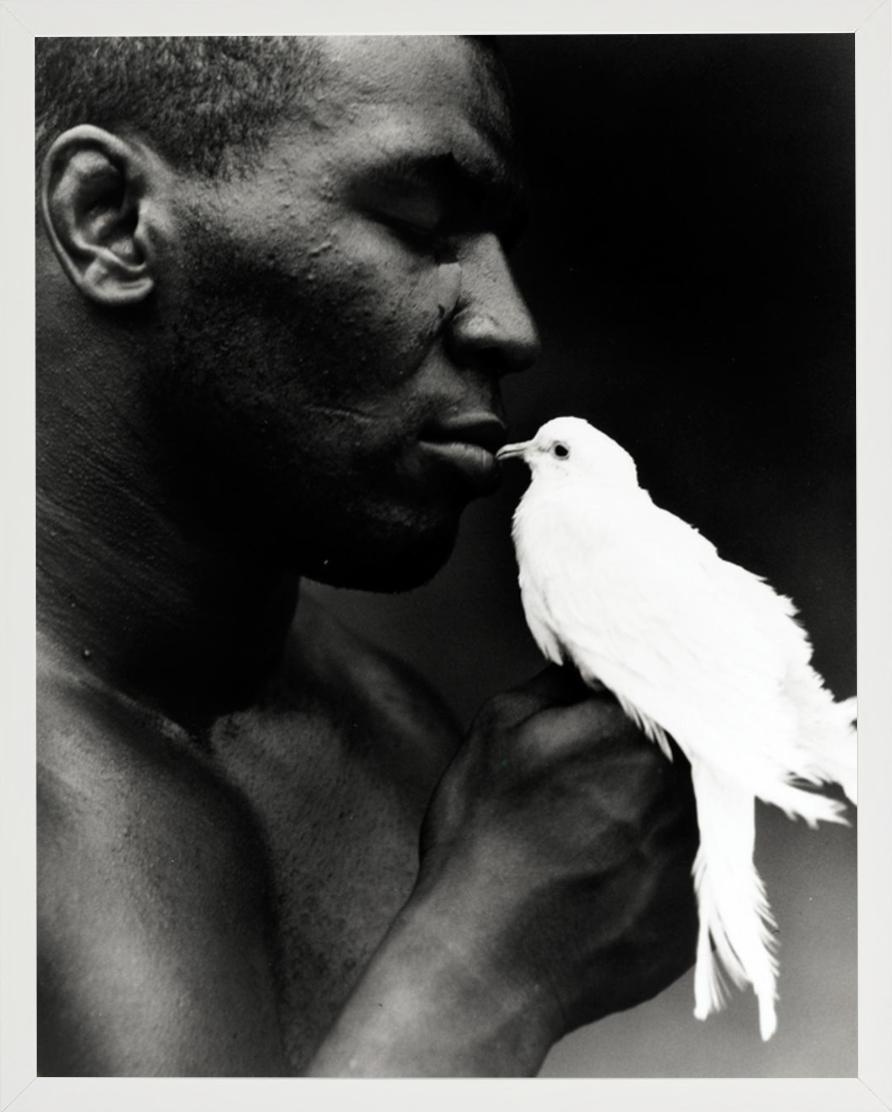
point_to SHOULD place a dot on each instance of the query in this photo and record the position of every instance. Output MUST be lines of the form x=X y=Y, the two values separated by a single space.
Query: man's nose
x=491 y=329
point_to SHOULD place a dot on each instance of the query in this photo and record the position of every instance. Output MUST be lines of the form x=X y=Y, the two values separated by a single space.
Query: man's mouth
x=467 y=443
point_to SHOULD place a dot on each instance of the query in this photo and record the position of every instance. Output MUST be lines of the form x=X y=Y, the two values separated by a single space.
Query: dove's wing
x=641 y=601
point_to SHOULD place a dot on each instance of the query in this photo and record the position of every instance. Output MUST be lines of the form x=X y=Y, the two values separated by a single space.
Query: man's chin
x=384 y=569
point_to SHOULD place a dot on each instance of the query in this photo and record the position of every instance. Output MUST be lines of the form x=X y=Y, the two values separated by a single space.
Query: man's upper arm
x=152 y=955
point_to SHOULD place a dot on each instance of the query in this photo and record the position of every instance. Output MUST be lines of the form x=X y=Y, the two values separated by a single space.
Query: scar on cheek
x=448 y=286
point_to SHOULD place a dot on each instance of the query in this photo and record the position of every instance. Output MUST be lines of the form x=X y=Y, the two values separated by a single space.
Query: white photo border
x=21 y=21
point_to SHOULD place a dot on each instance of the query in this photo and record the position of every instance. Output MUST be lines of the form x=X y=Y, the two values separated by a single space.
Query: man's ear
x=98 y=211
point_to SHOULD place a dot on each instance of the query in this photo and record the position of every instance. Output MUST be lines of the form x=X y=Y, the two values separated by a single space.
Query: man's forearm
x=430 y=1006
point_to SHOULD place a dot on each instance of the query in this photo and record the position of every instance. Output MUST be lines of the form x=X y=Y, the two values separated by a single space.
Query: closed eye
x=432 y=240
x=432 y=201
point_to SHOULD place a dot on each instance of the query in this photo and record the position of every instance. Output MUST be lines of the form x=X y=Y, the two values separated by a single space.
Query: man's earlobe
x=96 y=213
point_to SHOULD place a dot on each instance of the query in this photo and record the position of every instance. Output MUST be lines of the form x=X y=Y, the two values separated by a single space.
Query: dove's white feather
x=694 y=647
x=731 y=900
x=649 y=612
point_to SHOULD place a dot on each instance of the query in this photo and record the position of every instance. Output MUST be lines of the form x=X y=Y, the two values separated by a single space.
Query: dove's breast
x=560 y=538
x=641 y=601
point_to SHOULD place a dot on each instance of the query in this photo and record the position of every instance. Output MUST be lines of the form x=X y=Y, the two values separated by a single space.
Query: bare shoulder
x=151 y=918
x=114 y=770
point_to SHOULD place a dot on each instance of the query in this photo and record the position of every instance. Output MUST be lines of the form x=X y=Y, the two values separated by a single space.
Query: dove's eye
x=560 y=451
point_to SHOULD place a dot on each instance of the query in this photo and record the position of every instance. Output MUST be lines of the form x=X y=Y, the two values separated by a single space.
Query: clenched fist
x=563 y=841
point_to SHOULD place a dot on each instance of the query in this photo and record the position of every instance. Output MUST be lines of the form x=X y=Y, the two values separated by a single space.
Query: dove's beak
x=512 y=450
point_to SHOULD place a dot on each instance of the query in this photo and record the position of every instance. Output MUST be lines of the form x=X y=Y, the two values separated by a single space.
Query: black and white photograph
x=446 y=480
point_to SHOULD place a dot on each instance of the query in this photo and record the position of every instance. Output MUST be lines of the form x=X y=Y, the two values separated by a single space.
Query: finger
x=585 y=723
x=554 y=686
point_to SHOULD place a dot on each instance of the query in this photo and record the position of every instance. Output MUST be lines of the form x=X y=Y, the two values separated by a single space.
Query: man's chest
x=340 y=808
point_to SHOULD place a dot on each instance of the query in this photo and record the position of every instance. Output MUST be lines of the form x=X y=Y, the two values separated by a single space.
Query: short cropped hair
x=207 y=104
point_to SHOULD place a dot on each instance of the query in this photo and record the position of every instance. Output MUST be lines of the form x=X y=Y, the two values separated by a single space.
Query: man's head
x=304 y=248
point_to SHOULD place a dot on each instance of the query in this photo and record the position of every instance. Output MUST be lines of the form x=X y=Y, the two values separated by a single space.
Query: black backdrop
x=691 y=265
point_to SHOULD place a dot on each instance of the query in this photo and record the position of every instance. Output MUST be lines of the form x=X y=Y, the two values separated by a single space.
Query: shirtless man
x=274 y=308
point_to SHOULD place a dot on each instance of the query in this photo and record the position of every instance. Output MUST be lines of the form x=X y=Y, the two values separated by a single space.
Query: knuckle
x=536 y=745
x=646 y=775
x=672 y=847
x=612 y=719
x=494 y=714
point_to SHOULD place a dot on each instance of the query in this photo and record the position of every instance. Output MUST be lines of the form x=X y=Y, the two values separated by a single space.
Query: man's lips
x=467 y=443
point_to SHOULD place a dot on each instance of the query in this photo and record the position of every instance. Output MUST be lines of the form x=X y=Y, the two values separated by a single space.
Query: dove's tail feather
x=826 y=731
x=731 y=901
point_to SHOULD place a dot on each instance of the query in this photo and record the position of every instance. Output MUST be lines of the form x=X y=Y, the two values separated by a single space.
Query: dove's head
x=568 y=447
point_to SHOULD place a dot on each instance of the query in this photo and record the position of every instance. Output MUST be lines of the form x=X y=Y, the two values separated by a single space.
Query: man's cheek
x=391 y=296
x=410 y=318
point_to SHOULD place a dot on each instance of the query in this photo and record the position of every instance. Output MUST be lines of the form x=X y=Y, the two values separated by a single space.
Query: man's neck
x=188 y=629
x=133 y=587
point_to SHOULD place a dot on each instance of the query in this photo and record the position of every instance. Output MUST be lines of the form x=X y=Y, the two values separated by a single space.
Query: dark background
x=690 y=262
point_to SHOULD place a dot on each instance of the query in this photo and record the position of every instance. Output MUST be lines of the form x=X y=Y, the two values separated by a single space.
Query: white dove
x=694 y=647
